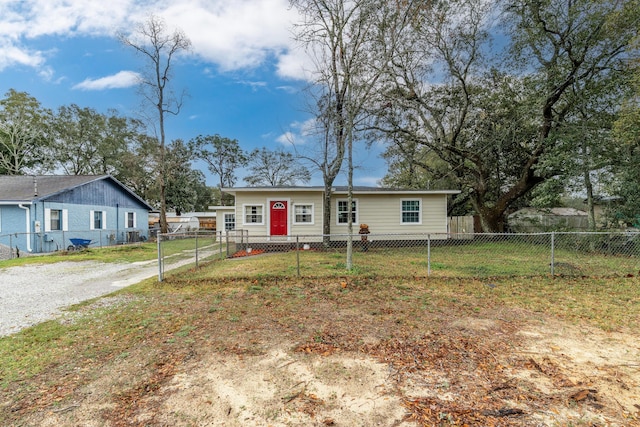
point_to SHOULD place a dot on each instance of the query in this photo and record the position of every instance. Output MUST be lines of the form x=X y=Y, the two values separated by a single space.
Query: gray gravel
x=31 y=294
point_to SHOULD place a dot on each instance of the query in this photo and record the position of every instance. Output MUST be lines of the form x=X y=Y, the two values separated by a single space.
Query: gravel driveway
x=34 y=293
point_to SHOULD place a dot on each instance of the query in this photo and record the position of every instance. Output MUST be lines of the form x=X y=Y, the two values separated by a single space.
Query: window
x=303 y=214
x=343 y=211
x=98 y=220
x=130 y=219
x=55 y=219
x=253 y=214
x=411 y=212
x=229 y=221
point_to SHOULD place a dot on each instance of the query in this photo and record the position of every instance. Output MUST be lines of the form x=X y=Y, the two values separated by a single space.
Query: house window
x=131 y=219
x=343 y=211
x=55 y=220
x=303 y=214
x=411 y=212
x=253 y=214
x=98 y=220
x=229 y=221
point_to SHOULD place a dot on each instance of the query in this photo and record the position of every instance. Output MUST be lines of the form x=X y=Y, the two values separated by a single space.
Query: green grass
x=469 y=261
x=121 y=253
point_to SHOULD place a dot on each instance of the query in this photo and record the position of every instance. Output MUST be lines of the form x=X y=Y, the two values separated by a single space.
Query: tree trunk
x=590 y=207
x=164 y=227
x=326 y=215
x=350 y=203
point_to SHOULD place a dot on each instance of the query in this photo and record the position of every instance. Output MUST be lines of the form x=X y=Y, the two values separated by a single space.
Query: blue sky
x=243 y=75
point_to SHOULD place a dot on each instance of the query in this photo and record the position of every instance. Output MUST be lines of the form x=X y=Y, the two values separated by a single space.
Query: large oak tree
x=497 y=121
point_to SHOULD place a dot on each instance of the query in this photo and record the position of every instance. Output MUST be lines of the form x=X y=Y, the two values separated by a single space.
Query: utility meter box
x=36 y=226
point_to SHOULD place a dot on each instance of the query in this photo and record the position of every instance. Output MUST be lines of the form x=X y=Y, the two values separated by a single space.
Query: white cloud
x=287 y=138
x=299 y=133
x=71 y=17
x=123 y=79
x=12 y=54
x=253 y=85
x=234 y=34
x=229 y=34
x=288 y=89
x=295 y=65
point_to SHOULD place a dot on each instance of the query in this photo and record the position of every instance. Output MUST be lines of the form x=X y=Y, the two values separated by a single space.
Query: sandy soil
x=555 y=375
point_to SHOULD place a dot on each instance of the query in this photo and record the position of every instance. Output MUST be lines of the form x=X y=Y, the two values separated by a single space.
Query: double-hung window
x=130 y=219
x=343 y=211
x=254 y=214
x=229 y=221
x=411 y=211
x=98 y=220
x=303 y=213
x=56 y=219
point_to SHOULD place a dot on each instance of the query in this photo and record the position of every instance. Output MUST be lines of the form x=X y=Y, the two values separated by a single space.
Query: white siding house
x=287 y=211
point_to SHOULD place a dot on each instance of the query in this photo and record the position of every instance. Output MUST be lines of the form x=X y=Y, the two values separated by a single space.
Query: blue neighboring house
x=42 y=213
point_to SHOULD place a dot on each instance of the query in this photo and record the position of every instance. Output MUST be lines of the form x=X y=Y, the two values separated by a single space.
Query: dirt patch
x=320 y=354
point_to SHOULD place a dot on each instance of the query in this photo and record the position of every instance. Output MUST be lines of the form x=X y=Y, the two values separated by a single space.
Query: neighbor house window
x=98 y=220
x=253 y=214
x=130 y=219
x=229 y=221
x=303 y=214
x=411 y=212
x=56 y=219
x=343 y=211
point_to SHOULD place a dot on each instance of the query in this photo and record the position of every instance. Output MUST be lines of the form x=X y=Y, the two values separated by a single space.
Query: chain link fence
x=16 y=244
x=411 y=255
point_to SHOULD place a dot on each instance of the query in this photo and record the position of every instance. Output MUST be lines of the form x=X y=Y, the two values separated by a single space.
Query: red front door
x=278 y=218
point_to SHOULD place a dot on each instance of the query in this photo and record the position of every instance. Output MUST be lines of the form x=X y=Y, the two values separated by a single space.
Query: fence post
x=196 y=249
x=553 y=247
x=428 y=255
x=220 y=243
x=10 y=246
x=227 y=237
x=160 y=257
x=298 y=253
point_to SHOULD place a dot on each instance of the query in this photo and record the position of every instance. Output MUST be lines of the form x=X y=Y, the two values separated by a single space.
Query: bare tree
x=338 y=35
x=159 y=47
x=275 y=168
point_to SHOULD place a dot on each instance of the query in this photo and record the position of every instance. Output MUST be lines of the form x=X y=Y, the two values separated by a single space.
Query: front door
x=278 y=218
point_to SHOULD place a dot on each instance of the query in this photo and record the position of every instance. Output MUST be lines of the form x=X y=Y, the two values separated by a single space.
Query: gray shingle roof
x=339 y=190
x=26 y=188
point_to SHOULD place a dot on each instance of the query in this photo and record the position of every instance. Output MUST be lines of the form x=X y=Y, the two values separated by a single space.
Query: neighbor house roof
x=31 y=188
x=338 y=190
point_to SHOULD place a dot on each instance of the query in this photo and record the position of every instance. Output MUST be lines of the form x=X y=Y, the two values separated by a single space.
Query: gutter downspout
x=28 y=224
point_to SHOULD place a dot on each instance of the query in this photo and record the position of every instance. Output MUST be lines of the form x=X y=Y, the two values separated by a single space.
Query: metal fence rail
x=17 y=244
x=447 y=254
